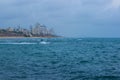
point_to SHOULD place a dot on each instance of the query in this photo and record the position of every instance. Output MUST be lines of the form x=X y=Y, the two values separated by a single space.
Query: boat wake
x=23 y=43
x=16 y=43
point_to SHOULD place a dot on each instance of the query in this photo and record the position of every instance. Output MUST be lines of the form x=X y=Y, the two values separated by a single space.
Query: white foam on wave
x=25 y=43
x=21 y=43
x=43 y=42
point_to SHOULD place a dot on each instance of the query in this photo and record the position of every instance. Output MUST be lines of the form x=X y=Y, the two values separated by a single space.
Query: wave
x=43 y=42
x=80 y=39
x=21 y=43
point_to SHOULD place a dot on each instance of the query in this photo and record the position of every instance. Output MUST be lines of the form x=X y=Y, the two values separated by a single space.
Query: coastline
x=3 y=37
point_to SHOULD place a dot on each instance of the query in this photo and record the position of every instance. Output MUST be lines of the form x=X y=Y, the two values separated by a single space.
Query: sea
x=60 y=59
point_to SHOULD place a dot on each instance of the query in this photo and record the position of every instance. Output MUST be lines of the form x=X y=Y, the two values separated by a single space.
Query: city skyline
x=37 y=30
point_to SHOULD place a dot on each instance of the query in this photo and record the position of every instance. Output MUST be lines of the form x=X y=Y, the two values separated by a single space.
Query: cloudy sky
x=71 y=18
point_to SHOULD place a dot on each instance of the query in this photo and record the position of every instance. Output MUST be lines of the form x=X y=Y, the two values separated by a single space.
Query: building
x=39 y=29
x=10 y=29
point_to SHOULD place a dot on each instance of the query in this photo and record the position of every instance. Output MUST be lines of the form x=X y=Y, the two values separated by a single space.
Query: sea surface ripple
x=60 y=59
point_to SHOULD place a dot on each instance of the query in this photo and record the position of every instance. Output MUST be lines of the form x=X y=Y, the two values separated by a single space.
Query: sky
x=69 y=18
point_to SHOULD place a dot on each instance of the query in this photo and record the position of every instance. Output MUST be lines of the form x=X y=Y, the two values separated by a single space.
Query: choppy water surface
x=60 y=59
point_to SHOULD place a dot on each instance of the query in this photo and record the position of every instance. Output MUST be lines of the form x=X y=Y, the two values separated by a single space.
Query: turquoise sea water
x=60 y=59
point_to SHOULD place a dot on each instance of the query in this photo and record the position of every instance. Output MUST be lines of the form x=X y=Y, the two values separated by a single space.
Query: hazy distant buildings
x=10 y=29
x=38 y=31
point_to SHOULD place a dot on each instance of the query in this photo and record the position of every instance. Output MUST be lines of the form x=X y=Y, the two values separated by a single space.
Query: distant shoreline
x=27 y=37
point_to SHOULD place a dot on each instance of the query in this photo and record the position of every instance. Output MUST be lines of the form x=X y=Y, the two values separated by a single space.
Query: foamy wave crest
x=43 y=42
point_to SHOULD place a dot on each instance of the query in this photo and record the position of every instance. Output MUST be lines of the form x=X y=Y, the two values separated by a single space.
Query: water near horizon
x=60 y=59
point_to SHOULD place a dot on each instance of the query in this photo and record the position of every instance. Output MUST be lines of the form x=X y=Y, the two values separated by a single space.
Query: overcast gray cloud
x=74 y=18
